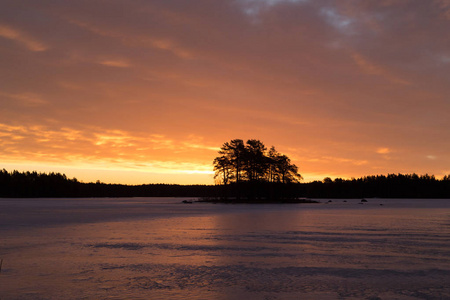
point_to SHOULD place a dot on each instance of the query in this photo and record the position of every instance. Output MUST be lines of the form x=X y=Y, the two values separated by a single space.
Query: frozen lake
x=158 y=248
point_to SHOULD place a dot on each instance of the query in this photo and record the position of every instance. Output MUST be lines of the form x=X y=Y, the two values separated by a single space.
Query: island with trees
x=250 y=173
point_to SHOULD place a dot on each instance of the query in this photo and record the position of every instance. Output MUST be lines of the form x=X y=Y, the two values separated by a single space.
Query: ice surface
x=158 y=248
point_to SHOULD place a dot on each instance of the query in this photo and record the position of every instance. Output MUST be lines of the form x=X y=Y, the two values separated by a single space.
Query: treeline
x=32 y=184
x=381 y=186
x=55 y=185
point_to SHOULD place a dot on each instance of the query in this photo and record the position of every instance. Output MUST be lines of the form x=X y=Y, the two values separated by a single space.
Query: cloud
x=372 y=69
x=340 y=21
x=115 y=63
x=26 y=99
x=342 y=160
x=135 y=39
x=116 y=148
x=253 y=7
x=444 y=5
x=383 y=150
x=29 y=42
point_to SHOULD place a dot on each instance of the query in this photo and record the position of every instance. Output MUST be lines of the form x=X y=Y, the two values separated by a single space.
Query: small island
x=249 y=173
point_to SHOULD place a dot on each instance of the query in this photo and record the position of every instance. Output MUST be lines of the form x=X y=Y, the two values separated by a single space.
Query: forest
x=34 y=185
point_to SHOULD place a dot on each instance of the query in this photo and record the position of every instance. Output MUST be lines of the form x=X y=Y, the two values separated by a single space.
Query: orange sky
x=147 y=91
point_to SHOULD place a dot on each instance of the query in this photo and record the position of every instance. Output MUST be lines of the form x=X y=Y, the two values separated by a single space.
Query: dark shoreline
x=55 y=185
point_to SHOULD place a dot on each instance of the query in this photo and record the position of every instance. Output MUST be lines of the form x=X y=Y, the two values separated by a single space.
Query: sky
x=147 y=91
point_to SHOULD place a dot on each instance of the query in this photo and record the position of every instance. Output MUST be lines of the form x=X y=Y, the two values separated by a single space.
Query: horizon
x=212 y=184
x=147 y=92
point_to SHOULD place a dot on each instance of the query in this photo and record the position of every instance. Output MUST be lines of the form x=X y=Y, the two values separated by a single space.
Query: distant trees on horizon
x=17 y=184
x=382 y=186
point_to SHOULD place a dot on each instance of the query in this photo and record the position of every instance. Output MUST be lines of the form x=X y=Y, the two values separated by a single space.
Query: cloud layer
x=345 y=88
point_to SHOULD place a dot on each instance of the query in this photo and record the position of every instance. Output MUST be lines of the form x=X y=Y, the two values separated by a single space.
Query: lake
x=159 y=248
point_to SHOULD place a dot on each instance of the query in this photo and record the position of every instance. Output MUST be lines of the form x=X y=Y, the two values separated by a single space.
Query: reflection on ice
x=158 y=249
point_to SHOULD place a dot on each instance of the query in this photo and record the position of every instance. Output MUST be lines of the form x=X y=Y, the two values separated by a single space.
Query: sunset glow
x=147 y=91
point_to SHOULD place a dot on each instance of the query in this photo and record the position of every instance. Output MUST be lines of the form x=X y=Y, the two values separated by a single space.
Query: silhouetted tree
x=223 y=169
x=286 y=172
x=232 y=155
x=255 y=160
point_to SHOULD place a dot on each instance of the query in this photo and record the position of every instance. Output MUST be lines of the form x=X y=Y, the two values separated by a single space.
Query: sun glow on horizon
x=112 y=175
x=152 y=158
x=133 y=176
